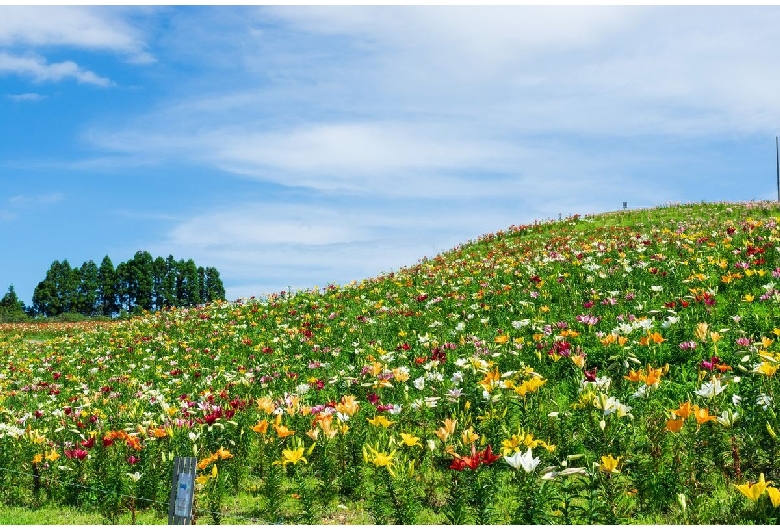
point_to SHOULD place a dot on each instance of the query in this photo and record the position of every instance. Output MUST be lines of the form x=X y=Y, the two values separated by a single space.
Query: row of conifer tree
x=142 y=282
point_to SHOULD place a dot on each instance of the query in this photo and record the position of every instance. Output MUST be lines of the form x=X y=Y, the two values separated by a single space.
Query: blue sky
x=299 y=146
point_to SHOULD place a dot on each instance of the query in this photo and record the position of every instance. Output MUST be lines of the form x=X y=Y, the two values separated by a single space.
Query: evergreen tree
x=188 y=289
x=58 y=291
x=202 y=284
x=125 y=288
x=108 y=303
x=142 y=275
x=170 y=282
x=159 y=270
x=45 y=298
x=88 y=289
x=142 y=282
x=11 y=308
x=67 y=280
x=214 y=288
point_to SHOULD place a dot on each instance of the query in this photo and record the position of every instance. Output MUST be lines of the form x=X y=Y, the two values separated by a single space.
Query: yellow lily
x=381 y=421
x=774 y=496
x=410 y=440
x=755 y=490
x=380 y=459
x=292 y=456
x=609 y=464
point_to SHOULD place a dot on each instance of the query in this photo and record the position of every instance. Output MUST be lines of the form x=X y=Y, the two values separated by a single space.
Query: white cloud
x=265 y=224
x=97 y=28
x=28 y=96
x=36 y=199
x=37 y=68
x=350 y=151
x=466 y=35
x=416 y=95
x=395 y=158
x=604 y=70
x=320 y=240
x=20 y=203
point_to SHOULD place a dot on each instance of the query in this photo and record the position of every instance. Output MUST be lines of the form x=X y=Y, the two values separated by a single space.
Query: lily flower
x=774 y=496
x=487 y=456
x=609 y=464
x=379 y=459
x=675 y=424
x=447 y=430
x=755 y=490
x=727 y=418
x=711 y=389
x=381 y=421
x=223 y=453
x=348 y=405
x=291 y=456
x=684 y=410
x=261 y=427
x=703 y=415
x=410 y=440
x=469 y=436
x=526 y=461
x=282 y=431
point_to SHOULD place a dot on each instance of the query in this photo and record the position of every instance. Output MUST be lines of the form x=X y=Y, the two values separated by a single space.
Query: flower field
x=619 y=368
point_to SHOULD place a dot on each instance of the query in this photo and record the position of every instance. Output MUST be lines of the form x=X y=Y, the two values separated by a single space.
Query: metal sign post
x=182 y=490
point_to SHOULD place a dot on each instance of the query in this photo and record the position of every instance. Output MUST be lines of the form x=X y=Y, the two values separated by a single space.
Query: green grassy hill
x=615 y=368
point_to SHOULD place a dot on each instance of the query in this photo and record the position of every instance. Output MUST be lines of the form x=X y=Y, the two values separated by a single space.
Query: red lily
x=488 y=457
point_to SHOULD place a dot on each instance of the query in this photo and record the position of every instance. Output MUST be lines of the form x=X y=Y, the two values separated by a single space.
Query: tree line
x=142 y=282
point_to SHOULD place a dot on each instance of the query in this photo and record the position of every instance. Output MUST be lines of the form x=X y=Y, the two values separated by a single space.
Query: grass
x=57 y=515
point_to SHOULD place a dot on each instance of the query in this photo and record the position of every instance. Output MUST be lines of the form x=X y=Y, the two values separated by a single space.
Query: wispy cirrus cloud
x=16 y=206
x=356 y=157
x=40 y=71
x=325 y=96
x=84 y=27
x=27 y=96
x=49 y=198
x=28 y=33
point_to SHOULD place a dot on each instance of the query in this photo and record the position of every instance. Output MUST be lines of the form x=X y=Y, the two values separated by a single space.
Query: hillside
x=615 y=368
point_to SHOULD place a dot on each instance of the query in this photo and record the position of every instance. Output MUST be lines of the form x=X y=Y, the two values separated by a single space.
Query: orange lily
x=675 y=424
x=684 y=410
x=703 y=416
x=282 y=431
x=261 y=427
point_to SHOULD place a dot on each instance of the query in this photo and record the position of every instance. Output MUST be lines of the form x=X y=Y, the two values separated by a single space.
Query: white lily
x=526 y=461
x=728 y=418
x=711 y=389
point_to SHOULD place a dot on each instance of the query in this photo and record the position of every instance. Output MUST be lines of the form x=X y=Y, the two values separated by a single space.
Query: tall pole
x=777 y=150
